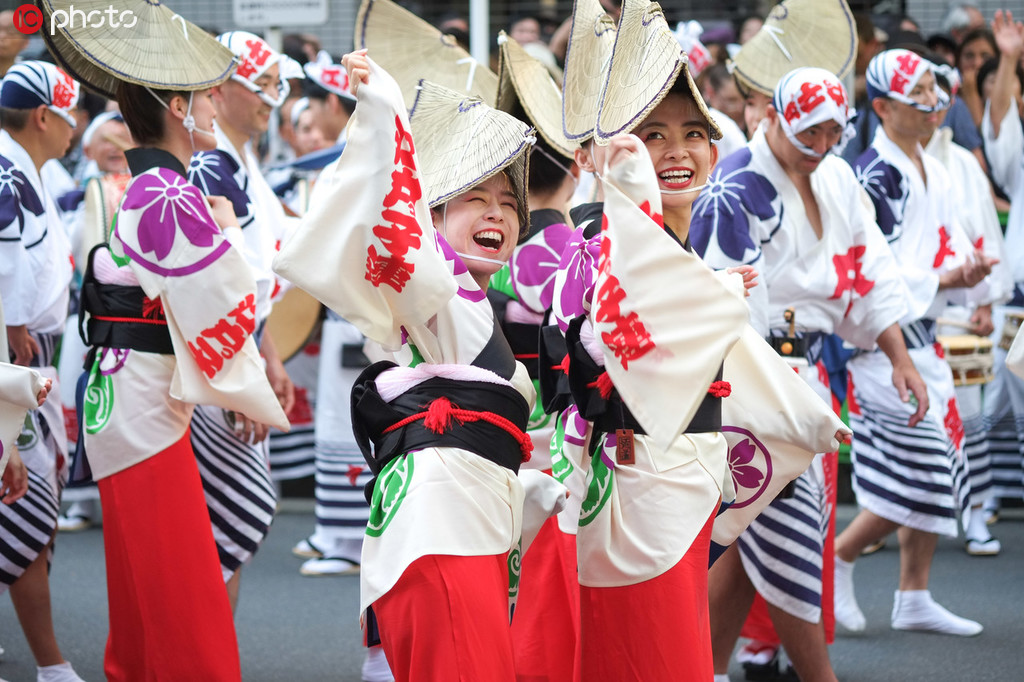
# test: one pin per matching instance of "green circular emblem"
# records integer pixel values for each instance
(599, 489)
(28, 436)
(388, 493)
(561, 466)
(99, 400)
(515, 560)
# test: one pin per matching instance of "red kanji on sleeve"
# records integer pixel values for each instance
(944, 248)
(656, 217)
(381, 270)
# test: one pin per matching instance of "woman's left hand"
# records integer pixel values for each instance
(749, 277)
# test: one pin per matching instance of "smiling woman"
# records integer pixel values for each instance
(433, 207)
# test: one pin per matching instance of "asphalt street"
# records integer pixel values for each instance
(292, 627)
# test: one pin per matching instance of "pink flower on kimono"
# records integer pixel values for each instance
(170, 205)
(744, 474)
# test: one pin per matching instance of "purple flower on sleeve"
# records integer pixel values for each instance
(170, 205)
(576, 277)
(744, 473)
(16, 196)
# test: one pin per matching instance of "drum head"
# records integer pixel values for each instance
(293, 320)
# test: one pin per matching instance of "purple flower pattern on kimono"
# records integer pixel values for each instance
(534, 266)
(577, 275)
(888, 191)
(734, 198)
(169, 206)
(16, 194)
(216, 174)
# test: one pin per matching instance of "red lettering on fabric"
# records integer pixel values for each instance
(810, 97)
(222, 340)
(848, 266)
(335, 77)
(908, 63)
(944, 248)
(63, 90)
(629, 338)
(400, 231)
(381, 269)
(246, 69)
(836, 92)
(656, 217)
(980, 243)
(954, 425)
(898, 84)
(791, 113)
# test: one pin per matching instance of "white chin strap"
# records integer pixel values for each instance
(684, 191)
(464, 256)
(282, 93)
(189, 122)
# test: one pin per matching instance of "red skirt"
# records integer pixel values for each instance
(546, 624)
(447, 619)
(169, 613)
(655, 631)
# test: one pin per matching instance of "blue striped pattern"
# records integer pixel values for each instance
(782, 549)
(912, 476)
(236, 481)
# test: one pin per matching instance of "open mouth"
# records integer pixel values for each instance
(676, 177)
(489, 240)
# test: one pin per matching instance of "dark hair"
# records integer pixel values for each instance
(14, 119)
(545, 176)
(865, 27)
(980, 33)
(989, 67)
(715, 75)
(312, 90)
(143, 116)
(942, 41)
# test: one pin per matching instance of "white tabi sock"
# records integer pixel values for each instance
(977, 529)
(62, 672)
(916, 610)
(847, 613)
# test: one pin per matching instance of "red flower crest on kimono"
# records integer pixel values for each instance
(954, 425)
(848, 267)
(944, 247)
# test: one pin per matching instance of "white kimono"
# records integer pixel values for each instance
(915, 477)
(844, 282)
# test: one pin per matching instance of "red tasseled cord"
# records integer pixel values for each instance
(564, 365)
(440, 415)
(603, 384)
(720, 389)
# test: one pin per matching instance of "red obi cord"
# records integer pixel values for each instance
(441, 412)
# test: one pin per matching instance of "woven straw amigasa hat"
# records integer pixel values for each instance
(645, 65)
(410, 49)
(527, 91)
(461, 141)
(150, 46)
(586, 65)
(797, 33)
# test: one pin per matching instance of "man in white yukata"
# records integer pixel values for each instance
(913, 479)
(37, 101)
(794, 211)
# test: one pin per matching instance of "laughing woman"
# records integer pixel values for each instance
(442, 426)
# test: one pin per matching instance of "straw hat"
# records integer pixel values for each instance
(586, 64)
(525, 85)
(160, 49)
(461, 141)
(797, 33)
(645, 64)
(410, 49)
